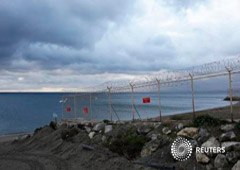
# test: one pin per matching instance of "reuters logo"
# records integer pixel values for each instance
(181, 149)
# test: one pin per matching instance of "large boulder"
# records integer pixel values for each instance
(108, 128)
(153, 135)
(211, 142)
(189, 132)
(220, 161)
(88, 129)
(99, 127)
(233, 156)
(202, 158)
(229, 146)
(230, 135)
(91, 135)
(236, 166)
(144, 128)
(194, 143)
(180, 126)
(166, 131)
(227, 127)
(203, 135)
(157, 125)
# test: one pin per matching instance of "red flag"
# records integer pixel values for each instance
(146, 100)
(85, 110)
(69, 109)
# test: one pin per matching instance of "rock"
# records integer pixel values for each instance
(99, 127)
(104, 138)
(231, 146)
(203, 135)
(144, 129)
(157, 125)
(153, 145)
(227, 127)
(236, 166)
(152, 136)
(220, 161)
(91, 134)
(108, 128)
(211, 142)
(123, 130)
(202, 158)
(149, 148)
(179, 126)
(189, 132)
(227, 136)
(209, 166)
(233, 156)
(88, 129)
(166, 131)
(194, 143)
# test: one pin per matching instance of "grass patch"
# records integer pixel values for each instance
(129, 146)
(207, 120)
(126, 142)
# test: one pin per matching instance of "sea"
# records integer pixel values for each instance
(24, 112)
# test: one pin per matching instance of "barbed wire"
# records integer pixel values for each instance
(170, 77)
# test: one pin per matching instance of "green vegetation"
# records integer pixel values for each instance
(53, 125)
(126, 142)
(81, 126)
(207, 120)
(129, 146)
(106, 121)
(238, 125)
(67, 134)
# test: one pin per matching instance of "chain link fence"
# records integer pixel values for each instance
(185, 91)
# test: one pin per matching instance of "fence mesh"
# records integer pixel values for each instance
(169, 93)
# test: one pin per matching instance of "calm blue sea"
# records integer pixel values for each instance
(22, 112)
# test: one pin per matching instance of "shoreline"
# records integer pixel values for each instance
(113, 146)
(222, 112)
(13, 136)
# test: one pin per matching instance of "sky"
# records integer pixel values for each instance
(59, 45)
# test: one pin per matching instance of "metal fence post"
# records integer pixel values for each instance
(230, 91)
(192, 89)
(75, 106)
(109, 101)
(62, 107)
(159, 100)
(133, 109)
(90, 98)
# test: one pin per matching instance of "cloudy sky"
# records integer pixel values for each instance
(59, 45)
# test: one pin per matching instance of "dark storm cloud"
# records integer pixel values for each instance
(41, 31)
(66, 44)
